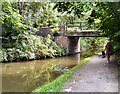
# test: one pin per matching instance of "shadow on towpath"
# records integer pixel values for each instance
(95, 76)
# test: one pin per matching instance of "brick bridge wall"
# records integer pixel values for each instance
(71, 43)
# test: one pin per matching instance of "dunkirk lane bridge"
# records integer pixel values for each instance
(73, 32)
(81, 29)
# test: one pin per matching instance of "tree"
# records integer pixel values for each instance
(106, 15)
(109, 16)
(12, 25)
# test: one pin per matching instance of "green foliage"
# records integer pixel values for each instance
(11, 19)
(55, 31)
(39, 14)
(109, 16)
(70, 7)
(116, 46)
(33, 47)
(12, 25)
(90, 46)
(18, 26)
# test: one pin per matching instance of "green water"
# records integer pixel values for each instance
(26, 76)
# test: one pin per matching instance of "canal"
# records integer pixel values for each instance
(28, 75)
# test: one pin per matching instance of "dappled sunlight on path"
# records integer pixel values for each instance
(96, 76)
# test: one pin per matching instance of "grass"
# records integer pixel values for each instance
(59, 82)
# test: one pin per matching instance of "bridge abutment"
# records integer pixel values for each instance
(74, 45)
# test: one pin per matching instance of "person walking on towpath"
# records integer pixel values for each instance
(108, 49)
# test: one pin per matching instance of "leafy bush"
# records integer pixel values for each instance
(116, 46)
(90, 46)
(33, 47)
(18, 41)
(11, 25)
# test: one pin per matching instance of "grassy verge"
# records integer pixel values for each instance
(58, 83)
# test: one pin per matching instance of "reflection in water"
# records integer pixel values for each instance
(77, 56)
(26, 76)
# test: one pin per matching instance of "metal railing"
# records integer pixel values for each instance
(81, 25)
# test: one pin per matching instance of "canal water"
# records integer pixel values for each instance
(26, 76)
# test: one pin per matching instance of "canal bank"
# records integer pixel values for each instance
(96, 76)
(58, 83)
(27, 76)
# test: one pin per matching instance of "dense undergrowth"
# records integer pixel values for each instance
(33, 47)
(90, 46)
(18, 39)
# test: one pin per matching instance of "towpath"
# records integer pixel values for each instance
(95, 76)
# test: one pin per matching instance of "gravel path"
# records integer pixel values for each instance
(95, 76)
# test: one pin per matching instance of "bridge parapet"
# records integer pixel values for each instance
(84, 33)
(81, 25)
(81, 29)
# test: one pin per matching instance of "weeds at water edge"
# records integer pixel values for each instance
(58, 83)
